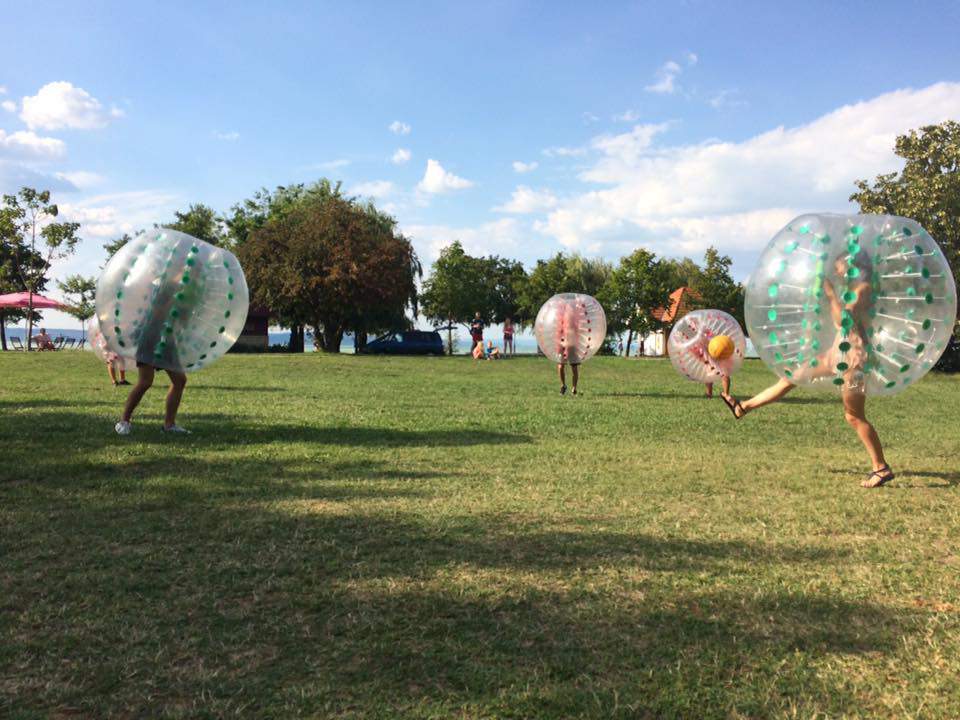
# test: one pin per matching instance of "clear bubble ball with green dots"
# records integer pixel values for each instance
(172, 301)
(863, 303)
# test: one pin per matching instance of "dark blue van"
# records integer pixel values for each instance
(407, 342)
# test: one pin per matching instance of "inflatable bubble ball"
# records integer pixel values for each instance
(570, 328)
(172, 301)
(706, 345)
(863, 303)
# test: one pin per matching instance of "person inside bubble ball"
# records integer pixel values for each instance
(115, 369)
(145, 375)
(854, 315)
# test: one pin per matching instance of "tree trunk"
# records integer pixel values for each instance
(629, 341)
(3, 331)
(359, 340)
(643, 347)
(450, 338)
(332, 335)
(296, 339)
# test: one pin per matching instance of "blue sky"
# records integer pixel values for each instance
(595, 128)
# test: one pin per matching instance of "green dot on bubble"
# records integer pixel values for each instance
(928, 298)
(788, 373)
(856, 230)
(800, 357)
(778, 356)
(907, 231)
(904, 368)
(229, 296)
(853, 272)
(844, 346)
(911, 291)
(853, 247)
(116, 313)
(919, 348)
(804, 229)
(815, 345)
(203, 357)
(771, 314)
(179, 296)
(918, 250)
(772, 338)
(791, 246)
(186, 279)
(191, 262)
(814, 363)
(226, 264)
(926, 324)
(230, 280)
(890, 384)
(174, 313)
(121, 343)
(222, 328)
(194, 249)
(841, 366)
(925, 272)
(116, 329)
(226, 314)
(838, 381)
(213, 344)
(849, 296)
(773, 290)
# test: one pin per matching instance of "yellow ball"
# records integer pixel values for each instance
(720, 347)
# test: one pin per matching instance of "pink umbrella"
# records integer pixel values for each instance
(22, 300)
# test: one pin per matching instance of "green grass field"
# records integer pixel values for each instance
(377, 538)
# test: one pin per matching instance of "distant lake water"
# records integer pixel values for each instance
(526, 343)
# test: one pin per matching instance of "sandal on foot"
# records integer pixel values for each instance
(878, 478)
(734, 405)
(563, 389)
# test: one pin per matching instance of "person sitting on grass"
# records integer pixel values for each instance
(478, 351)
(492, 352)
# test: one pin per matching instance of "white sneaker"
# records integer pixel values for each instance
(123, 427)
(177, 430)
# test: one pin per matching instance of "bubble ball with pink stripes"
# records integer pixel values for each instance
(570, 328)
(856, 303)
(689, 345)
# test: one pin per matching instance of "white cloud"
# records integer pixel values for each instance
(524, 167)
(231, 136)
(26, 144)
(666, 83)
(81, 179)
(589, 118)
(692, 59)
(627, 116)
(329, 165)
(399, 128)
(110, 216)
(373, 189)
(726, 99)
(61, 105)
(401, 156)
(527, 200)
(9, 105)
(500, 237)
(3, 89)
(738, 194)
(437, 180)
(552, 152)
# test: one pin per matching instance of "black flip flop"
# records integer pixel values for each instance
(733, 404)
(883, 478)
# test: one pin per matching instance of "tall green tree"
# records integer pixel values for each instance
(331, 263)
(639, 284)
(113, 246)
(461, 285)
(562, 274)
(926, 190)
(712, 284)
(11, 280)
(28, 225)
(80, 293)
(273, 205)
(200, 221)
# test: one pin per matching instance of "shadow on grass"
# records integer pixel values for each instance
(950, 478)
(301, 609)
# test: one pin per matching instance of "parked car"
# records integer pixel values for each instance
(408, 342)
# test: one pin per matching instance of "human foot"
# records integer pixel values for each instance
(878, 478)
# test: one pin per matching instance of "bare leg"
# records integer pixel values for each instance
(576, 376)
(178, 381)
(123, 375)
(112, 373)
(561, 370)
(709, 389)
(144, 381)
(854, 410)
(770, 395)
(724, 383)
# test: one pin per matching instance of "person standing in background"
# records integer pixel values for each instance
(508, 348)
(476, 330)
